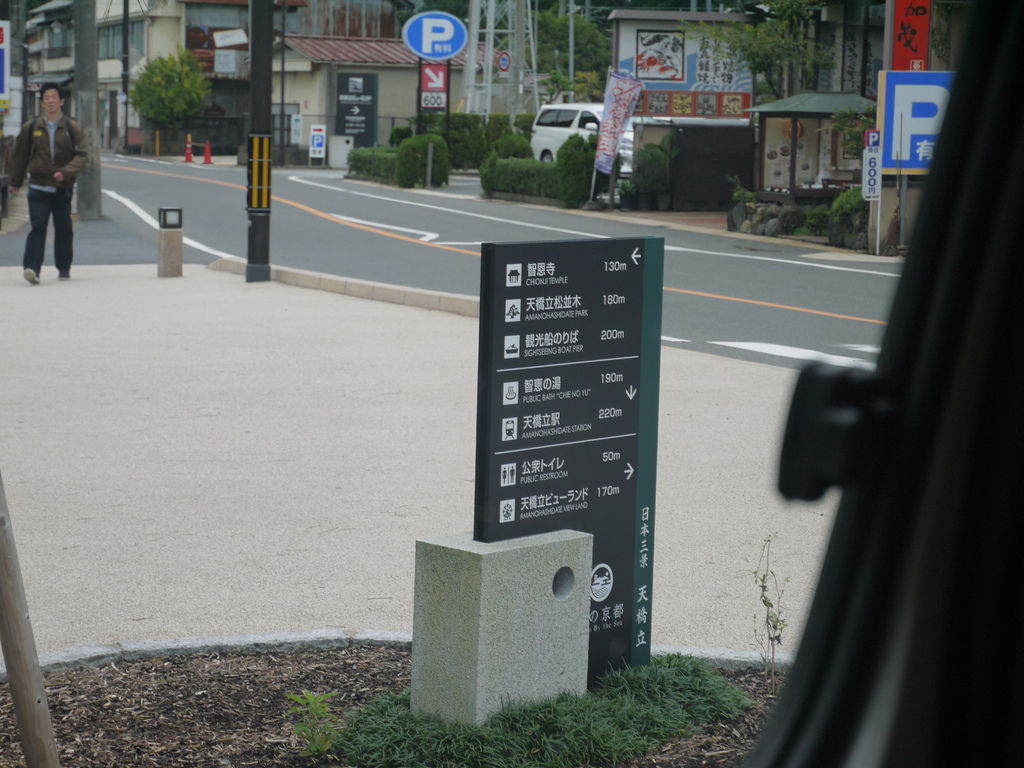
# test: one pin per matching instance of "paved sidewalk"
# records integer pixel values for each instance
(199, 456)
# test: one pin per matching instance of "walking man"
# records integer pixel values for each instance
(51, 150)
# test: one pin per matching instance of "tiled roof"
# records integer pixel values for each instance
(345, 50)
(816, 103)
(240, 2)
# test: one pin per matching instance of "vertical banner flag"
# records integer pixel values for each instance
(620, 97)
(911, 27)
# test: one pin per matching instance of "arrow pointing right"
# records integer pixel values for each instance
(629, 471)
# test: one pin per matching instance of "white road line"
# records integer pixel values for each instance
(871, 349)
(426, 236)
(506, 220)
(674, 340)
(142, 214)
(502, 219)
(797, 353)
(794, 262)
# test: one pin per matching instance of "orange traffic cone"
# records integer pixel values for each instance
(207, 156)
(188, 148)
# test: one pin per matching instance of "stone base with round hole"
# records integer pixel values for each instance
(499, 623)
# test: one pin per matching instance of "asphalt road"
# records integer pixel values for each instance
(753, 298)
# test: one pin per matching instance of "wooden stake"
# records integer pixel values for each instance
(19, 650)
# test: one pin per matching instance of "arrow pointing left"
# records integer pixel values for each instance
(636, 256)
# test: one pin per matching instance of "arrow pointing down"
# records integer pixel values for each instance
(629, 471)
(631, 392)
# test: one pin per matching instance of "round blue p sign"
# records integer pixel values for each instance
(435, 35)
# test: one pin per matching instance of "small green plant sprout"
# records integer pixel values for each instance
(317, 726)
(741, 194)
(770, 625)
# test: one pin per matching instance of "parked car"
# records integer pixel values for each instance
(557, 122)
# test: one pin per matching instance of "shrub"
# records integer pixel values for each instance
(817, 220)
(488, 174)
(848, 220)
(651, 168)
(498, 124)
(411, 163)
(468, 145)
(847, 205)
(791, 218)
(523, 123)
(513, 145)
(376, 163)
(521, 176)
(575, 164)
(399, 134)
(741, 194)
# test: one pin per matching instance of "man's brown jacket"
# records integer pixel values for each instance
(32, 153)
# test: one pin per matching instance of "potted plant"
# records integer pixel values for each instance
(627, 195)
(651, 175)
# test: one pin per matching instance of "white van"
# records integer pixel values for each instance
(557, 122)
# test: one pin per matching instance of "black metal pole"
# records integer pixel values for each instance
(261, 33)
(124, 72)
(282, 118)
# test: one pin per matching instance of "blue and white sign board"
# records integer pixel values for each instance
(911, 106)
(871, 166)
(5, 66)
(435, 35)
(318, 141)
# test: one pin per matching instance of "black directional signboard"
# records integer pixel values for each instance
(567, 415)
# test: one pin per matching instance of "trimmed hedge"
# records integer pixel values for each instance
(520, 176)
(411, 166)
(524, 124)
(575, 167)
(468, 144)
(377, 163)
(513, 145)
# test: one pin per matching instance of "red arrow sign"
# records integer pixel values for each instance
(433, 76)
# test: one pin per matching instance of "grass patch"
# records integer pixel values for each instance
(629, 712)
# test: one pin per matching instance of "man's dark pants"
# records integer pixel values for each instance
(42, 205)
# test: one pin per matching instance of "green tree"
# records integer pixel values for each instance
(593, 50)
(780, 49)
(170, 89)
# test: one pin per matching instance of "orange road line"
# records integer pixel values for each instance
(407, 239)
(301, 207)
(776, 306)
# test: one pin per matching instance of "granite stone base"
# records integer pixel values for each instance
(500, 623)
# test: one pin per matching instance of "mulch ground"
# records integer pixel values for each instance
(229, 710)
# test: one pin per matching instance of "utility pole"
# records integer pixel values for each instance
(89, 198)
(124, 73)
(261, 34)
(282, 117)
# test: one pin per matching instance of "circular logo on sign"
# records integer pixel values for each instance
(435, 35)
(601, 580)
(504, 61)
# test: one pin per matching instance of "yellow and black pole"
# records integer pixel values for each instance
(257, 202)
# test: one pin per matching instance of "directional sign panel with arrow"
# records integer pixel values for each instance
(567, 414)
(433, 85)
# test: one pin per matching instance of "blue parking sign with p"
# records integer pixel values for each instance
(435, 35)
(912, 106)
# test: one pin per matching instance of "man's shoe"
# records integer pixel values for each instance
(31, 276)
(65, 275)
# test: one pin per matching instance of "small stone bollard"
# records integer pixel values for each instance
(499, 623)
(170, 253)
